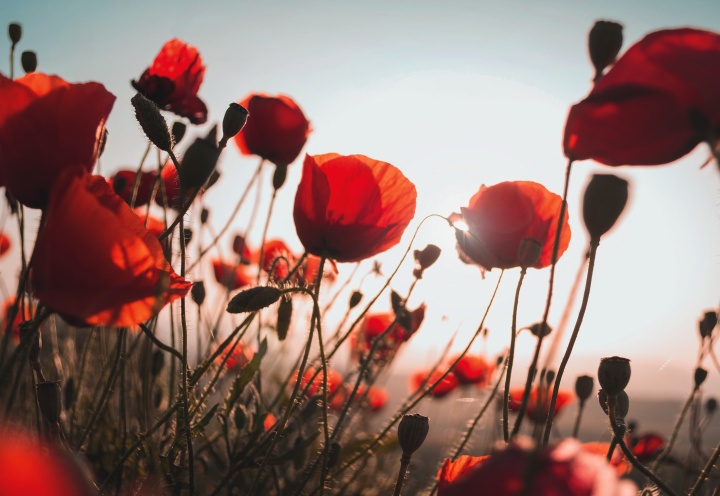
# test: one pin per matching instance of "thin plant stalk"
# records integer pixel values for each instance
(510, 357)
(676, 430)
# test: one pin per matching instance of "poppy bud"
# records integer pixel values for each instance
(355, 298)
(15, 32)
(240, 417)
(549, 376)
(333, 454)
(284, 318)
(412, 431)
(707, 324)
(604, 200)
(604, 43)
(427, 256)
(584, 385)
(158, 362)
(700, 376)
(69, 393)
(28, 60)
(711, 405)
(233, 121)
(279, 176)
(178, 131)
(188, 234)
(204, 215)
(253, 299)
(151, 122)
(529, 252)
(540, 329)
(198, 164)
(49, 396)
(198, 292)
(614, 374)
(622, 403)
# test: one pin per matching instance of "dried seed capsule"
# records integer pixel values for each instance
(28, 60)
(412, 431)
(614, 374)
(605, 198)
(584, 385)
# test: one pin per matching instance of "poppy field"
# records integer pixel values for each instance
(145, 349)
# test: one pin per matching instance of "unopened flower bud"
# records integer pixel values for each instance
(284, 318)
(279, 176)
(14, 32)
(622, 403)
(605, 198)
(188, 234)
(198, 292)
(333, 454)
(197, 164)
(614, 374)
(204, 215)
(540, 329)
(178, 131)
(604, 43)
(529, 252)
(151, 122)
(707, 324)
(427, 256)
(549, 376)
(412, 431)
(253, 299)
(711, 405)
(158, 362)
(233, 121)
(355, 298)
(700, 376)
(584, 385)
(28, 60)
(49, 396)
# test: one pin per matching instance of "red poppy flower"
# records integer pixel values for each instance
(233, 276)
(20, 316)
(444, 387)
(4, 244)
(376, 397)
(307, 274)
(236, 360)
(94, 262)
(276, 129)
(277, 254)
(500, 217)
(350, 208)
(648, 446)
(173, 81)
(123, 182)
(154, 226)
(537, 408)
(48, 125)
(473, 369)
(519, 468)
(654, 105)
(374, 324)
(336, 388)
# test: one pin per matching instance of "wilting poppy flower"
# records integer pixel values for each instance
(537, 408)
(654, 105)
(173, 81)
(94, 262)
(4, 244)
(276, 129)
(233, 276)
(648, 446)
(500, 217)
(123, 182)
(20, 316)
(48, 125)
(444, 387)
(350, 208)
(473, 369)
(519, 468)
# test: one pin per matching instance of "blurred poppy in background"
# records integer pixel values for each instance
(123, 183)
(443, 388)
(537, 408)
(4, 244)
(233, 276)
(473, 369)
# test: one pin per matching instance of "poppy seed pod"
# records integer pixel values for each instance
(604, 43)
(233, 121)
(605, 198)
(355, 299)
(49, 396)
(614, 374)
(28, 60)
(178, 131)
(412, 431)
(198, 292)
(700, 376)
(152, 123)
(711, 405)
(14, 32)
(707, 324)
(584, 385)
(198, 164)
(622, 403)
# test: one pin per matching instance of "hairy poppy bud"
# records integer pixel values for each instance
(151, 122)
(707, 324)
(253, 299)
(622, 403)
(284, 318)
(15, 32)
(412, 431)
(427, 256)
(355, 298)
(279, 176)
(28, 60)
(198, 292)
(711, 405)
(198, 164)
(529, 252)
(233, 121)
(49, 396)
(614, 374)
(540, 329)
(605, 198)
(700, 376)
(178, 131)
(204, 215)
(604, 43)
(584, 385)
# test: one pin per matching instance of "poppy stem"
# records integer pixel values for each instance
(676, 429)
(510, 357)
(159, 343)
(576, 427)
(138, 174)
(566, 357)
(706, 472)
(404, 464)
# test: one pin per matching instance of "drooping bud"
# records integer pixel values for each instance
(540, 329)
(614, 374)
(233, 121)
(28, 60)
(355, 299)
(279, 176)
(427, 256)
(605, 198)
(412, 431)
(198, 164)
(14, 32)
(711, 405)
(604, 44)
(707, 324)
(178, 131)
(584, 386)
(253, 299)
(700, 376)
(49, 396)
(529, 252)
(151, 122)
(198, 292)
(622, 403)
(204, 215)
(284, 318)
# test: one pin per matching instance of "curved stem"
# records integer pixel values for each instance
(706, 470)
(511, 356)
(676, 429)
(152, 337)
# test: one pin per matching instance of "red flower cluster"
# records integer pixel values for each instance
(537, 408)
(500, 217)
(654, 105)
(350, 208)
(47, 126)
(276, 130)
(173, 81)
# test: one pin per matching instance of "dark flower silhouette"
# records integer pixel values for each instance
(654, 105)
(350, 208)
(276, 129)
(173, 81)
(48, 125)
(94, 262)
(500, 217)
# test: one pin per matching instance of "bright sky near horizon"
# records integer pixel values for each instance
(455, 94)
